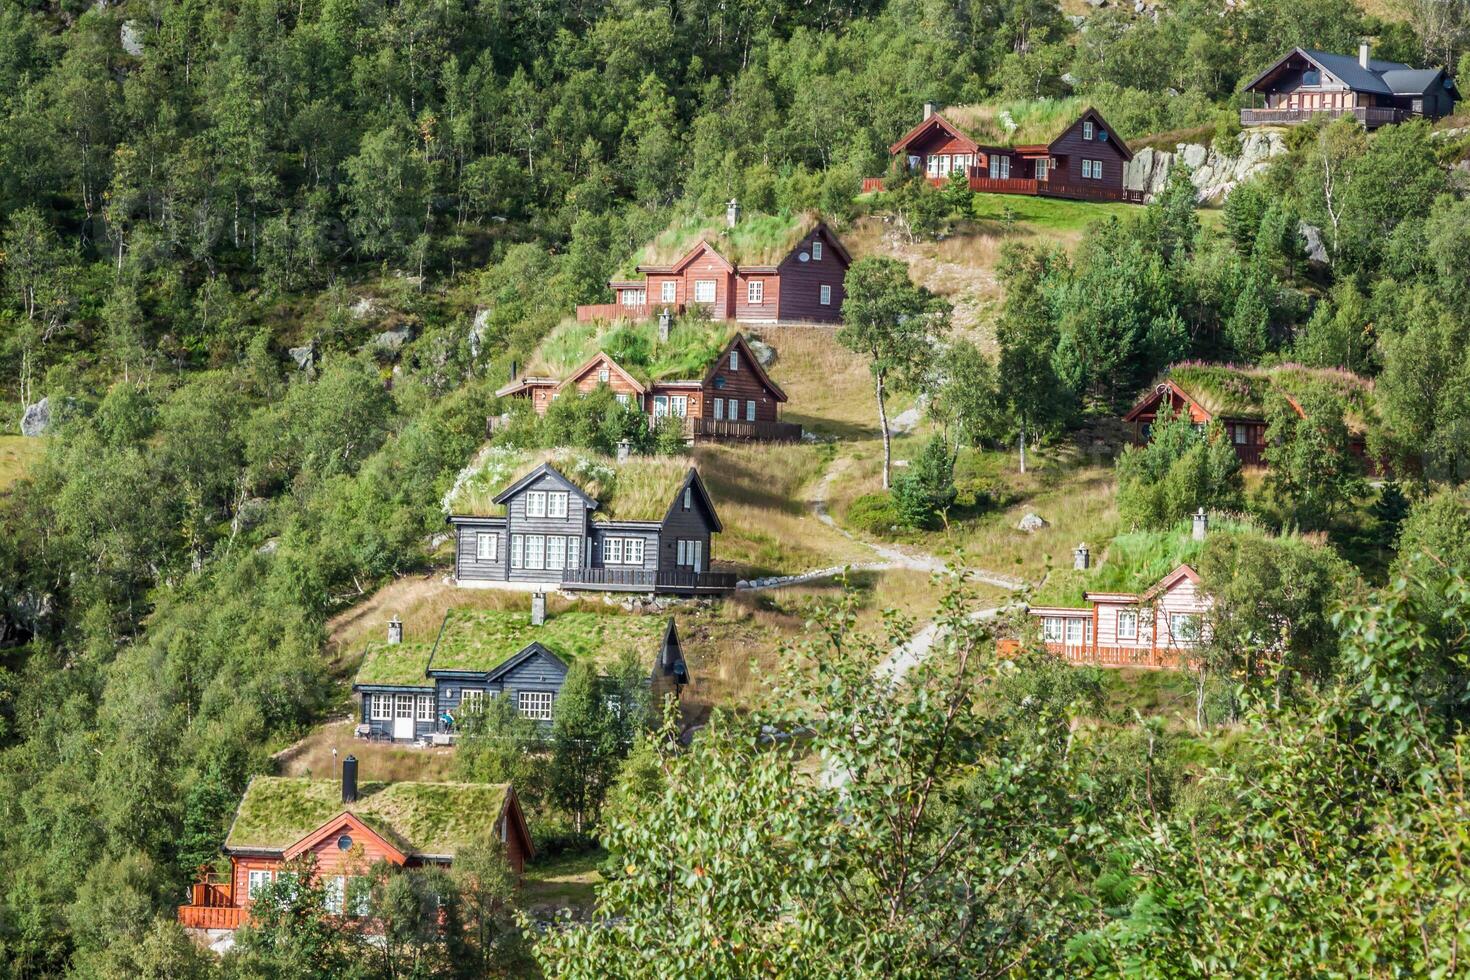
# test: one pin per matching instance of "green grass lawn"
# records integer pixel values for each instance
(1046, 213)
(17, 455)
(567, 881)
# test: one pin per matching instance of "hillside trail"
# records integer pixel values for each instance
(890, 555)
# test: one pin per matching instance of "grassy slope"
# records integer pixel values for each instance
(17, 455)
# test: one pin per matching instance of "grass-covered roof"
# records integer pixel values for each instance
(482, 640)
(692, 347)
(418, 818)
(1228, 391)
(642, 488)
(1133, 563)
(1015, 123)
(756, 240)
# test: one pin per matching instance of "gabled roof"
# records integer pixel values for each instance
(345, 822)
(535, 475)
(1167, 386)
(940, 122)
(525, 383)
(1379, 78)
(693, 480)
(602, 357)
(1168, 582)
(1102, 125)
(739, 341)
(936, 121)
(417, 819)
(700, 248)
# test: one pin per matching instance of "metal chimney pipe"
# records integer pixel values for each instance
(349, 779)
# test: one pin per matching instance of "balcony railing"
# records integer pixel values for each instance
(211, 916)
(1101, 656)
(700, 428)
(1369, 116)
(981, 183)
(622, 311)
(647, 580)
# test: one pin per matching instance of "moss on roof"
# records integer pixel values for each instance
(1015, 123)
(642, 488)
(1133, 563)
(1229, 391)
(484, 639)
(418, 818)
(756, 240)
(692, 347)
(395, 665)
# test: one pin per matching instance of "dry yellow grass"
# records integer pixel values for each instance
(828, 387)
(377, 761)
(17, 455)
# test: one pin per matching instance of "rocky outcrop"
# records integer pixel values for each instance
(390, 342)
(1315, 246)
(1032, 522)
(36, 419)
(305, 357)
(1214, 174)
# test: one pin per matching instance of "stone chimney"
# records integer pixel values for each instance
(395, 630)
(1201, 524)
(929, 109)
(625, 449)
(538, 608)
(1081, 558)
(664, 319)
(732, 213)
(1363, 54)
(349, 779)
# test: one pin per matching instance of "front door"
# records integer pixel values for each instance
(403, 717)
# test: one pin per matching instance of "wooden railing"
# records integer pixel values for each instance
(1369, 116)
(871, 184)
(700, 428)
(211, 916)
(1101, 656)
(647, 580)
(1031, 188)
(1090, 192)
(620, 311)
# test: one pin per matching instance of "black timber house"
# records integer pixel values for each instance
(423, 689)
(654, 534)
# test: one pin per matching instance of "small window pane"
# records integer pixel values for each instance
(825, 296)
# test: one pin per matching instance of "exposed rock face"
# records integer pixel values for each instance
(305, 357)
(36, 419)
(764, 352)
(364, 308)
(1316, 247)
(1214, 175)
(1032, 522)
(477, 332)
(392, 341)
(131, 38)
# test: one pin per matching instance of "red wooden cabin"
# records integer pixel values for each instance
(403, 824)
(1085, 161)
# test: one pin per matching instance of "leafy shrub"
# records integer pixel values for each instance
(923, 495)
(873, 513)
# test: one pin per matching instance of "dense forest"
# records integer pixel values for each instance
(198, 201)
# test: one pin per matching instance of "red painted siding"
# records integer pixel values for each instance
(769, 305)
(743, 385)
(1070, 149)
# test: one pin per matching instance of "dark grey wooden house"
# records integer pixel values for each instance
(1303, 84)
(651, 533)
(419, 689)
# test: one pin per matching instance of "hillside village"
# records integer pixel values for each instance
(486, 496)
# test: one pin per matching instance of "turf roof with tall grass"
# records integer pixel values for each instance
(1133, 563)
(641, 488)
(1230, 391)
(434, 819)
(483, 640)
(756, 240)
(1015, 123)
(694, 343)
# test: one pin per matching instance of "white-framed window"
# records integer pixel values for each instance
(256, 881)
(612, 551)
(333, 892)
(633, 551)
(425, 708)
(536, 503)
(1127, 624)
(1074, 631)
(678, 405)
(704, 290)
(688, 497)
(1000, 167)
(755, 293)
(556, 504)
(1184, 627)
(603, 375)
(1087, 129)
(359, 896)
(622, 397)
(660, 406)
(472, 700)
(380, 707)
(817, 245)
(574, 552)
(750, 411)
(681, 549)
(517, 551)
(944, 164)
(667, 291)
(734, 360)
(536, 551)
(690, 553)
(634, 297)
(719, 408)
(1041, 168)
(403, 706)
(535, 704)
(1051, 629)
(824, 295)
(1092, 169)
(556, 552)
(487, 546)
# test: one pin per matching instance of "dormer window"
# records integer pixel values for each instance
(1087, 129)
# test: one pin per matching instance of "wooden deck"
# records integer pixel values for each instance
(620, 311)
(1101, 656)
(1369, 116)
(645, 580)
(1032, 188)
(701, 429)
(211, 917)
